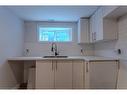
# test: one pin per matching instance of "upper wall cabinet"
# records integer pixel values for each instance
(83, 30)
(114, 12)
(102, 29)
(108, 10)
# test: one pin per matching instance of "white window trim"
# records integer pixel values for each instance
(40, 25)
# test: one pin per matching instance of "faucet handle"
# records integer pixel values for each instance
(57, 53)
(51, 49)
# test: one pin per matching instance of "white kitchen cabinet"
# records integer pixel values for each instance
(102, 74)
(44, 75)
(93, 29)
(83, 30)
(108, 9)
(102, 29)
(96, 26)
(60, 74)
(78, 74)
(54, 74)
(63, 74)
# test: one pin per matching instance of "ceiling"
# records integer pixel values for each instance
(52, 13)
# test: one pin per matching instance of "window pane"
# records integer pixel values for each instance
(55, 34)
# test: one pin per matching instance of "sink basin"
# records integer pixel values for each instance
(55, 56)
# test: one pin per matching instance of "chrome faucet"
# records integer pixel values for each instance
(54, 49)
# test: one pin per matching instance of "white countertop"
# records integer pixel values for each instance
(87, 58)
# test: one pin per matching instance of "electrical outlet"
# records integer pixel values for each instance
(118, 51)
(27, 50)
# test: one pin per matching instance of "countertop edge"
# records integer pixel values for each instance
(86, 58)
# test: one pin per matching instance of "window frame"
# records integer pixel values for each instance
(40, 25)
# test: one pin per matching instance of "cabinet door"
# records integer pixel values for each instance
(63, 74)
(92, 29)
(103, 75)
(99, 23)
(78, 77)
(44, 74)
(103, 28)
(83, 31)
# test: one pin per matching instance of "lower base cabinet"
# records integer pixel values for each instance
(76, 74)
(60, 74)
(44, 75)
(63, 75)
(103, 74)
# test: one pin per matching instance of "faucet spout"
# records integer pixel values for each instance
(54, 49)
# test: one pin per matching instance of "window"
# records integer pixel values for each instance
(55, 34)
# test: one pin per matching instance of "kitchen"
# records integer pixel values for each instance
(86, 51)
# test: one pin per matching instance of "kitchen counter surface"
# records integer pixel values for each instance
(86, 58)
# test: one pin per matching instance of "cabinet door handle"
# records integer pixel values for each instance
(94, 36)
(52, 66)
(56, 66)
(86, 66)
(118, 65)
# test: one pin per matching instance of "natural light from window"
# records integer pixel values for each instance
(55, 34)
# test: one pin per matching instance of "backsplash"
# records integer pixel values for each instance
(70, 49)
(106, 49)
(37, 48)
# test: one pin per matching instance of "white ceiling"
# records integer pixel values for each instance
(56, 13)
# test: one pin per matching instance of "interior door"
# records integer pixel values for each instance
(44, 74)
(63, 74)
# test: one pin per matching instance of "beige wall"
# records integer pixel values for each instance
(40, 49)
(108, 49)
(11, 44)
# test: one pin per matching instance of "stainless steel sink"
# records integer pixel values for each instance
(55, 56)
